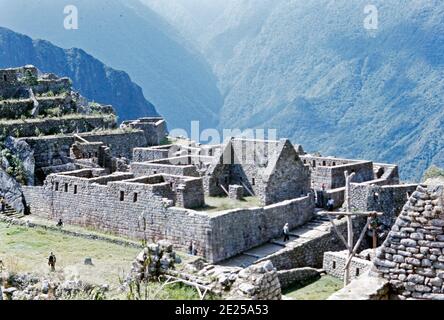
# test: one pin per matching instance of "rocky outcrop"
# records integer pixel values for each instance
(25, 154)
(11, 190)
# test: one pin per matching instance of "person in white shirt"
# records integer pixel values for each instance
(286, 232)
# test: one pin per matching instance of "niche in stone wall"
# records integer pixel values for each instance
(122, 195)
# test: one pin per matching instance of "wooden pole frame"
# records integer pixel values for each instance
(349, 242)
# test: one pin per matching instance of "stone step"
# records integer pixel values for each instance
(252, 255)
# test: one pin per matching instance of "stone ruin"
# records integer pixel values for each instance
(158, 261)
(81, 168)
(154, 261)
(258, 282)
(33, 287)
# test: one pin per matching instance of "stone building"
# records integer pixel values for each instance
(269, 170)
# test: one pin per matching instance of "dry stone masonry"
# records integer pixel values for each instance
(258, 282)
(412, 257)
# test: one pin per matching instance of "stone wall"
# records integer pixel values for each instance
(334, 265)
(258, 282)
(412, 257)
(155, 129)
(146, 169)
(272, 170)
(299, 276)
(387, 199)
(238, 230)
(97, 202)
(150, 154)
(333, 177)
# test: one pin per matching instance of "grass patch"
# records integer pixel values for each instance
(317, 290)
(215, 204)
(27, 249)
(433, 172)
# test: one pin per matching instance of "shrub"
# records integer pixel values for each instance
(433, 172)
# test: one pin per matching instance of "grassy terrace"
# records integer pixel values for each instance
(216, 204)
(26, 250)
(72, 116)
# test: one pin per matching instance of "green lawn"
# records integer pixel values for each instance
(26, 250)
(215, 204)
(317, 290)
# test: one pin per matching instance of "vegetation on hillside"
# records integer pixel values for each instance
(433, 172)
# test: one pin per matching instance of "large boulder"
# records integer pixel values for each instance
(11, 190)
(24, 152)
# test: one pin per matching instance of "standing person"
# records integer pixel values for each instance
(3, 204)
(190, 248)
(286, 232)
(330, 204)
(52, 261)
(194, 249)
(60, 223)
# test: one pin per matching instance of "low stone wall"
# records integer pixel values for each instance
(300, 276)
(146, 169)
(258, 282)
(334, 265)
(150, 154)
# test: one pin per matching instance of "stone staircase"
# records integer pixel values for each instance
(318, 225)
(10, 212)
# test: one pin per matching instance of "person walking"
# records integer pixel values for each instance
(52, 261)
(286, 232)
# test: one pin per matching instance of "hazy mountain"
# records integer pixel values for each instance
(126, 35)
(90, 77)
(311, 69)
